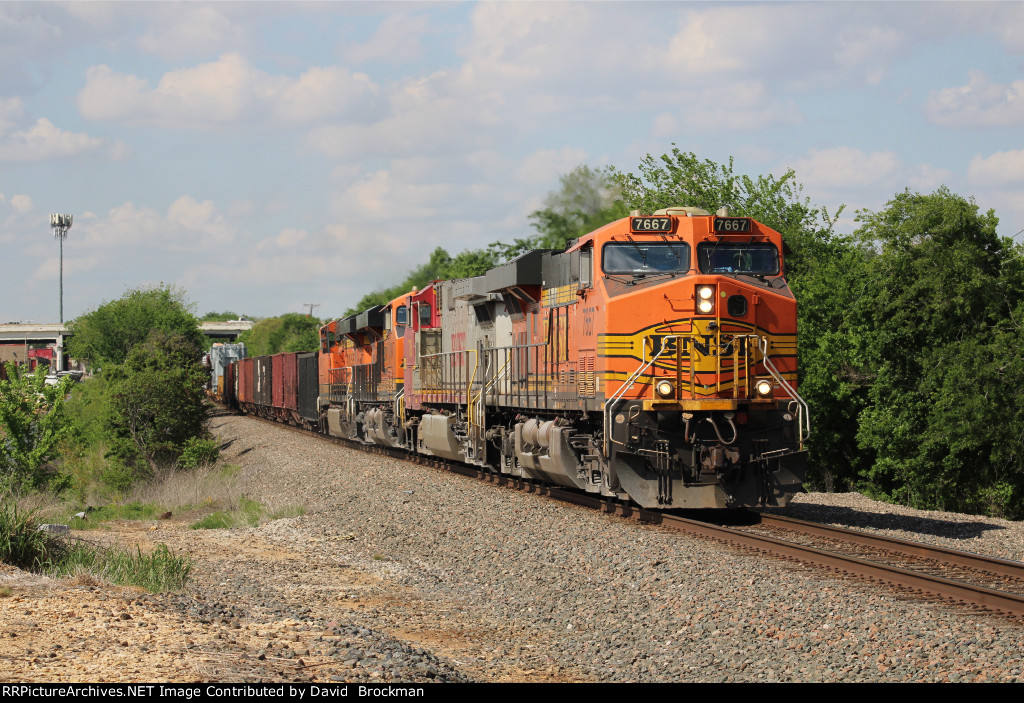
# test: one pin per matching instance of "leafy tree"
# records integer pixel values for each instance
(221, 317)
(288, 333)
(472, 262)
(107, 334)
(682, 178)
(32, 425)
(157, 401)
(942, 299)
(587, 200)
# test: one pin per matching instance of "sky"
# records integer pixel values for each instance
(265, 156)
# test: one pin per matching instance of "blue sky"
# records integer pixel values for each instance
(262, 156)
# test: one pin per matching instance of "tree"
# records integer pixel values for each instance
(469, 263)
(221, 317)
(32, 424)
(682, 178)
(107, 334)
(587, 200)
(943, 301)
(157, 401)
(288, 333)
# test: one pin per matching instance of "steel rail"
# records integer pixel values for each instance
(970, 560)
(1010, 604)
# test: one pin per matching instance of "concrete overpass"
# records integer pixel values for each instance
(16, 337)
(229, 328)
(20, 335)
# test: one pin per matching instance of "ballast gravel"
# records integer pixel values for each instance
(440, 577)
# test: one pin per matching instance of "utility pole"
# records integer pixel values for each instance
(310, 306)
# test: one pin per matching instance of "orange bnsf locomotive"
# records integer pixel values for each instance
(654, 360)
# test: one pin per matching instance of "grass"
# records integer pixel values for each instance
(213, 493)
(243, 513)
(212, 497)
(134, 510)
(160, 570)
(23, 545)
(21, 542)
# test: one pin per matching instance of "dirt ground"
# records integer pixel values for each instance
(82, 631)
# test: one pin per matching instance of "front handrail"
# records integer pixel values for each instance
(609, 405)
(803, 411)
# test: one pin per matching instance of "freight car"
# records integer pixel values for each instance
(653, 360)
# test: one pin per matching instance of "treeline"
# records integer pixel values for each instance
(911, 347)
(910, 338)
(910, 333)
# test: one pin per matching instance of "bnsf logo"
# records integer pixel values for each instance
(703, 345)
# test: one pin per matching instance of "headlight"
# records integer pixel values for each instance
(664, 389)
(763, 388)
(705, 299)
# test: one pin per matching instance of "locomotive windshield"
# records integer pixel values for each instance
(640, 258)
(720, 257)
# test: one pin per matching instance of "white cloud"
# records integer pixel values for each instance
(756, 41)
(287, 239)
(21, 203)
(665, 125)
(546, 165)
(926, 178)
(188, 225)
(387, 194)
(43, 140)
(185, 29)
(980, 103)
(227, 91)
(852, 173)
(1000, 168)
(397, 40)
(49, 269)
(738, 106)
(869, 49)
(428, 116)
(846, 167)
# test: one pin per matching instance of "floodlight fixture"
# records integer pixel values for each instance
(60, 224)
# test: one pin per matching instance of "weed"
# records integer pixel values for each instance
(244, 512)
(160, 570)
(21, 542)
(24, 545)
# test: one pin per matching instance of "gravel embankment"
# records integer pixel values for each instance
(425, 575)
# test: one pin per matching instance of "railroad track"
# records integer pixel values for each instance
(991, 584)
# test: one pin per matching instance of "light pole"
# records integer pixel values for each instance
(60, 225)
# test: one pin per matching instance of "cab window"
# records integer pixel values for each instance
(756, 259)
(645, 257)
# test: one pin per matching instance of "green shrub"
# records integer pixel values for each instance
(199, 452)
